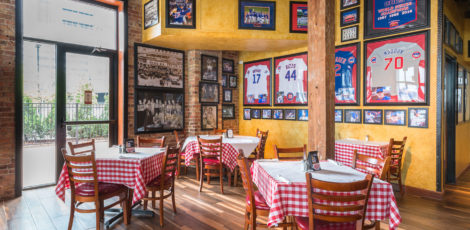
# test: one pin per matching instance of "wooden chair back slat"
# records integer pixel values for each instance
(287, 154)
(76, 149)
(372, 165)
(151, 142)
(210, 148)
(219, 131)
(395, 151)
(263, 136)
(170, 161)
(339, 198)
(348, 218)
(345, 208)
(246, 179)
(81, 169)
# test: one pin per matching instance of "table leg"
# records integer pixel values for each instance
(377, 225)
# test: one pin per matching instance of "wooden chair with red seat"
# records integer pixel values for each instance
(182, 158)
(211, 154)
(371, 165)
(219, 131)
(346, 215)
(151, 142)
(395, 151)
(164, 183)
(84, 187)
(85, 147)
(290, 154)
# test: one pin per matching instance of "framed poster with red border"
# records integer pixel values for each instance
(347, 74)
(290, 80)
(298, 17)
(396, 70)
(257, 82)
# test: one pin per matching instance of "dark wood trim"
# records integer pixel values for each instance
(126, 74)
(18, 97)
(424, 193)
(439, 99)
(450, 84)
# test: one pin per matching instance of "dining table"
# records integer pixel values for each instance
(344, 150)
(283, 185)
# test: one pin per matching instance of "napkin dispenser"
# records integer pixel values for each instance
(312, 163)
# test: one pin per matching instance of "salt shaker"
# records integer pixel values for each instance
(367, 137)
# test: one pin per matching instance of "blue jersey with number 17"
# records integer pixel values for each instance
(344, 64)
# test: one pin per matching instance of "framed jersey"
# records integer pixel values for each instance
(290, 80)
(257, 82)
(396, 70)
(347, 74)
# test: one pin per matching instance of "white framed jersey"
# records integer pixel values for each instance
(290, 85)
(256, 81)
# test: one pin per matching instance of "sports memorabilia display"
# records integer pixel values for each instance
(257, 82)
(396, 70)
(352, 116)
(387, 17)
(290, 81)
(278, 114)
(418, 117)
(227, 95)
(225, 80)
(257, 15)
(151, 16)
(373, 116)
(460, 94)
(181, 14)
(228, 111)
(395, 117)
(289, 114)
(298, 17)
(208, 117)
(338, 116)
(349, 17)
(349, 34)
(349, 3)
(467, 96)
(246, 114)
(233, 81)
(302, 115)
(347, 75)
(227, 66)
(209, 68)
(208, 92)
(266, 114)
(255, 114)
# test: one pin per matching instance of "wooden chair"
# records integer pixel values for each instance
(395, 151)
(85, 188)
(82, 148)
(219, 131)
(210, 159)
(289, 154)
(182, 157)
(347, 215)
(164, 183)
(371, 165)
(151, 142)
(259, 151)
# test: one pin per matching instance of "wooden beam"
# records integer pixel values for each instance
(321, 85)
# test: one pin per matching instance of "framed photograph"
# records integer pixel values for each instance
(181, 14)
(228, 111)
(158, 111)
(373, 116)
(208, 92)
(209, 117)
(289, 114)
(255, 114)
(267, 114)
(151, 16)
(418, 117)
(278, 114)
(452, 35)
(400, 77)
(349, 33)
(228, 66)
(302, 115)
(209, 68)
(225, 79)
(227, 95)
(350, 17)
(467, 96)
(298, 17)
(349, 3)
(446, 30)
(256, 15)
(352, 116)
(233, 81)
(158, 67)
(257, 83)
(395, 117)
(246, 114)
(347, 74)
(290, 81)
(391, 17)
(338, 116)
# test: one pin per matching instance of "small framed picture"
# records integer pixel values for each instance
(246, 114)
(208, 92)
(289, 114)
(349, 3)
(181, 14)
(227, 95)
(209, 69)
(228, 111)
(395, 117)
(209, 117)
(267, 114)
(225, 79)
(233, 82)
(227, 66)
(338, 116)
(349, 33)
(418, 117)
(278, 114)
(349, 17)
(151, 16)
(256, 114)
(298, 17)
(302, 115)
(373, 116)
(257, 15)
(352, 116)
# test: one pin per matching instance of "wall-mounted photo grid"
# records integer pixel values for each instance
(275, 114)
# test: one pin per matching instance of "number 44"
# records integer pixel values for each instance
(289, 75)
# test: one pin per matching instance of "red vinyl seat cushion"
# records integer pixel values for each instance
(88, 189)
(211, 161)
(156, 182)
(260, 202)
(302, 223)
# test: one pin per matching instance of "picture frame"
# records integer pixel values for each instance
(227, 95)
(338, 116)
(228, 111)
(246, 114)
(225, 80)
(350, 17)
(209, 68)
(151, 13)
(290, 80)
(372, 116)
(152, 76)
(395, 117)
(349, 3)
(298, 17)
(255, 114)
(209, 117)
(381, 85)
(228, 66)
(151, 107)
(181, 17)
(349, 33)
(257, 82)
(347, 74)
(278, 114)
(418, 117)
(266, 114)
(256, 15)
(302, 114)
(380, 22)
(353, 116)
(233, 81)
(290, 114)
(208, 92)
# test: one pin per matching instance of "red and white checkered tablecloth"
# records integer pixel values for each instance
(229, 154)
(133, 173)
(344, 150)
(286, 199)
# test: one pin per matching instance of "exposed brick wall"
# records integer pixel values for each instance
(233, 123)
(7, 102)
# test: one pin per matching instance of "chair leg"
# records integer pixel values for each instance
(221, 176)
(72, 213)
(178, 169)
(229, 175)
(197, 169)
(399, 184)
(154, 201)
(161, 208)
(235, 177)
(201, 178)
(98, 215)
(247, 220)
(146, 201)
(173, 198)
(125, 209)
(253, 221)
(377, 225)
(208, 177)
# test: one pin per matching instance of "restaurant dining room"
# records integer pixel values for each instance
(234, 114)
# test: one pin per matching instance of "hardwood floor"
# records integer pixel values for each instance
(41, 209)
